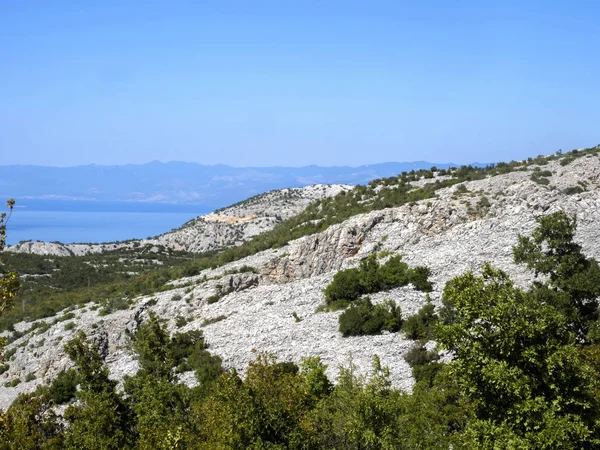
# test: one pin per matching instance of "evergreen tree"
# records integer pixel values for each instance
(103, 419)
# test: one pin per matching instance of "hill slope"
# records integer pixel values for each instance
(223, 228)
(267, 301)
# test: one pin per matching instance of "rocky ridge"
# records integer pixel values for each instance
(458, 230)
(226, 227)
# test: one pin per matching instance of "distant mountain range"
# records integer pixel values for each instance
(179, 182)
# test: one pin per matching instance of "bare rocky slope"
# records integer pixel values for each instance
(223, 228)
(459, 229)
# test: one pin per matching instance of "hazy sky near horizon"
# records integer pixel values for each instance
(265, 83)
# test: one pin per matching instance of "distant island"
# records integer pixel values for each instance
(180, 183)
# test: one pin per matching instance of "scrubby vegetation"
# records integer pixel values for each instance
(541, 176)
(424, 363)
(422, 324)
(364, 318)
(63, 387)
(54, 283)
(524, 375)
(112, 279)
(370, 277)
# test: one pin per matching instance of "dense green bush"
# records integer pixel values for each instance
(364, 318)
(418, 277)
(535, 177)
(571, 190)
(63, 387)
(393, 273)
(14, 382)
(370, 277)
(424, 364)
(421, 325)
(346, 286)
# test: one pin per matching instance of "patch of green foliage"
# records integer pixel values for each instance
(424, 363)
(370, 277)
(572, 190)
(13, 383)
(540, 177)
(76, 280)
(64, 387)
(213, 320)
(221, 292)
(181, 321)
(422, 324)
(364, 318)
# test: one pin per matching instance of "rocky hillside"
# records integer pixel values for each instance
(226, 227)
(267, 301)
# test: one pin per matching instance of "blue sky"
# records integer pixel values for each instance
(296, 83)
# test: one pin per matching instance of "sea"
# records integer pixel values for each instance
(74, 221)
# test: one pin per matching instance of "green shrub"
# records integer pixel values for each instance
(66, 316)
(69, 326)
(13, 383)
(421, 325)
(571, 190)
(393, 273)
(461, 189)
(346, 285)
(9, 353)
(538, 178)
(213, 299)
(30, 377)
(426, 373)
(189, 353)
(115, 304)
(4, 368)
(63, 387)
(418, 355)
(483, 202)
(181, 321)
(207, 367)
(43, 327)
(423, 363)
(364, 318)
(221, 292)
(286, 367)
(182, 346)
(370, 277)
(213, 320)
(243, 269)
(566, 161)
(419, 278)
